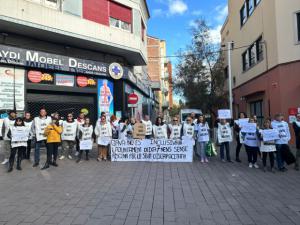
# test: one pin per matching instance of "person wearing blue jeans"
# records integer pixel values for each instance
(37, 149)
(224, 137)
(225, 145)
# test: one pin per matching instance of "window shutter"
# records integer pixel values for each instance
(120, 12)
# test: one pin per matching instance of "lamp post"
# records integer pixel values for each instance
(229, 48)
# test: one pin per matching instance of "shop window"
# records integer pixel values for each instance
(298, 25)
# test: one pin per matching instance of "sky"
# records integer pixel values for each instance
(171, 20)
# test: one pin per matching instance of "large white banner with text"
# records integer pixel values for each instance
(156, 150)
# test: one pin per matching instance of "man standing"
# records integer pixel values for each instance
(38, 130)
(68, 136)
(7, 124)
(80, 122)
(28, 124)
(148, 125)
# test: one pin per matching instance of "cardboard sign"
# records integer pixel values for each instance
(224, 114)
(139, 131)
(86, 145)
(270, 135)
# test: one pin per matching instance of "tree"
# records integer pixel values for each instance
(200, 75)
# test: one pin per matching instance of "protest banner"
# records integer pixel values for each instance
(86, 145)
(139, 131)
(243, 121)
(270, 135)
(224, 114)
(155, 150)
(249, 128)
(20, 135)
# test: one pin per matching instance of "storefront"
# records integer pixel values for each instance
(30, 80)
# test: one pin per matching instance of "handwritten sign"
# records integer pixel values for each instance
(155, 150)
(249, 128)
(224, 114)
(270, 135)
(104, 141)
(243, 121)
(20, 135)
(86, 145)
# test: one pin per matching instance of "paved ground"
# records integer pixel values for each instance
(149, 193)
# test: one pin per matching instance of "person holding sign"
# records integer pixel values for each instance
(282, 142)
(85, 137)
(202, 134)
(175, 129)
(188, 129)
(251, 142)
(52, 132)
(160, 129)
(267, 146)
(296, 126)
(237, 129)
(224, 138)
(123, 128)
(8, 122)
(38, 130)
(68, 136)
(149, 127)
(18, 134)
(103, 133)
(28, 123)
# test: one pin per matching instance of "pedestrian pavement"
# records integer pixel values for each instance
(131, 193)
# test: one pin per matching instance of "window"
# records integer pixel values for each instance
(256, 108)
(120, 13)
(250, 7)
(243, 13)
(259, 49)
(298, 25)
(245, 58)
(253, 54)
(257, 2)
(143, 30)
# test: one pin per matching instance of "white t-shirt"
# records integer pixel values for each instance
(224, 133)
(188, 130)
(149, 127)
(160, 132)
(39, 125)
(69, 131)
(202, 132)
(19, 136)
(175, 131)
(123, 129)
(7, 123)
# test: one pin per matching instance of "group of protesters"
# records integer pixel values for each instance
(76, 136)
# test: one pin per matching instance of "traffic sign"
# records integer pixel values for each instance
(133, 99)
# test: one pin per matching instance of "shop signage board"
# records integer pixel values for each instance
(12, 84)
(39, 77)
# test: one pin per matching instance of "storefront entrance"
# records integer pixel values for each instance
(63, 104)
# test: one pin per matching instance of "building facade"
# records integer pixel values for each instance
(265, 56)
(72, 56)
(160, 70)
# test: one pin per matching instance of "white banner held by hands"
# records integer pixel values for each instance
(249, 128)
(270, 135)
(224, 114)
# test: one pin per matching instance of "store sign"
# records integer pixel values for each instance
(105, 97)
(83, 81)
(116, 71)
(37, 59)
(39, 77)
(12, 87)
(64, 80)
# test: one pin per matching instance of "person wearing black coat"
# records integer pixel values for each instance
(296, 126)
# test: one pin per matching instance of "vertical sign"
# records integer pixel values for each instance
(105, 97)
(12, 84)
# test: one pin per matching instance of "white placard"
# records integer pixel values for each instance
(86, 145)
(270, 135)
(103, 141)
(292, 119)
(249, 128)
(224, 114)
(243, 121)
(20, 135)
(162, 150)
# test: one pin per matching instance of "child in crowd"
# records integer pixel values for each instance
(85, 136)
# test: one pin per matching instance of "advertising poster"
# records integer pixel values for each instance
(105, 97)
(64, 80)
(11, 83)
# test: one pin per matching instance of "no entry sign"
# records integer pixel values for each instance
(133, 99)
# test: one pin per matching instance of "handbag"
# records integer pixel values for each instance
(210, 149)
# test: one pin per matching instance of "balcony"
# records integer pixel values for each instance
(45, 23)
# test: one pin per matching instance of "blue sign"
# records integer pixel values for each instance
(105, 97)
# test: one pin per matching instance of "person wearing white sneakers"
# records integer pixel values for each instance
(202, 134)
(251, 142)
(7, 124)
(68, 136)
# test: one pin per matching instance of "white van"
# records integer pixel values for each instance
(184, 113)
